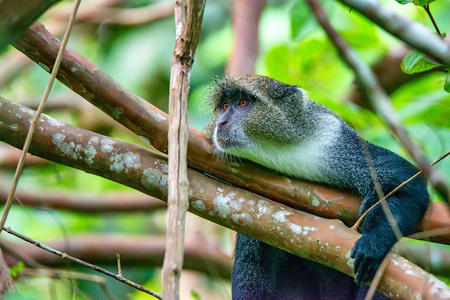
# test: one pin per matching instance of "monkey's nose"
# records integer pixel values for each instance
(223, 123)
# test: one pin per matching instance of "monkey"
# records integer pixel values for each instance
(277, 126)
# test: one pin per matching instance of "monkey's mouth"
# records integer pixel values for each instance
(226, 143)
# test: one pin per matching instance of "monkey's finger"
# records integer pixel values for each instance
(361, 270)
(370, 272)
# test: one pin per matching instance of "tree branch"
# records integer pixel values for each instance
(18, 15)
(327, 242)
(413, 33)
(86, 264)
(146, 120)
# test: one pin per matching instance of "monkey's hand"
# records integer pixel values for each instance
(369, 252)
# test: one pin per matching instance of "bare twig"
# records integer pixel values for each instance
(427, 9)
(201, 254)
(119, 266)
(377, 278)
(413, 33)
(86, 264)
(358, 222)
(377, 96)
(37, 115)
(188, 22)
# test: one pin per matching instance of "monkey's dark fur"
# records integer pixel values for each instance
(279, 127)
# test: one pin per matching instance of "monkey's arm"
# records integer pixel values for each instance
(407, 206)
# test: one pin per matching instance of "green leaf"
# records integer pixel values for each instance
(414, 62)
(195, 295)
(403, 2)
(447, 83)
(422, 2)
(300, 17)
(15, 270)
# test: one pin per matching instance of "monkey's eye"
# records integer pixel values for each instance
(243, 103)
(225, 106)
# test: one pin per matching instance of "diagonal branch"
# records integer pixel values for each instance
(413, 33)
(327, 242)
(17, 15)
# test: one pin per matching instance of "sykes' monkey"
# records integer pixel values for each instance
(276, 125)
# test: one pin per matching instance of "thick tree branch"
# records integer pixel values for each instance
(327, 242)
(18, 15)
(201, 255)
(144, 119)
(413, 33)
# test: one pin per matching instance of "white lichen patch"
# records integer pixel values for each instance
(132, 160)
(222, 205)
(296, 228)
(124, 162)
(14, 127)
(198, 205)
(350, 261)
(57, 138)
(280, 216)
(151, 178)
(243, 219)
(155, 116)
(235, 205)
(89, 153)
(179, 30)
(163, 184)
(76, 151)
(262, 208)
(332, 227)
(315, 202)
(165, 168)
(438, 288)
(106, 145)
(54, 122)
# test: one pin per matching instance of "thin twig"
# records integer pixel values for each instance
(385, 206)
(377, 278)
(358, 222)
(119, 265)
(429, 233)
(38, 114)
(427, 9)
(81, 262)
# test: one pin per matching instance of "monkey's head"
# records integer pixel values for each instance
(253, 112)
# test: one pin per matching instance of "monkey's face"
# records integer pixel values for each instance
(231, 115)
(253, 112)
